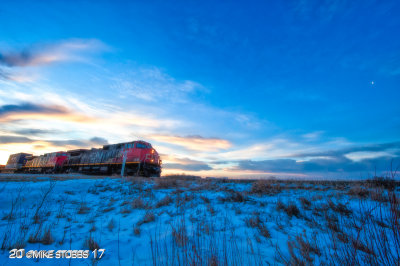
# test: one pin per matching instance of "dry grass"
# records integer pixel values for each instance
(358, 191)
(234, 196)
(166, 183)
(91, 243)
(167, 200)
(291, 208)
(339, 207)
(37, 237)
(47, 237)
(125, 210)
(108, 209)
(111, 225)
(302, 251)
(83, 208)
(147, 218)
(305, 203)
(265, 187)
(255, 221)
(136, 231)
(138, 203)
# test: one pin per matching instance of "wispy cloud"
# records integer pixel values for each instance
(31, 108)
(151, 84)
(358, 158)
(75, 143)
(32, 111)
(44, 54)
(326, 165)
(21, 65)
(14, 139)
(185, 164)
(352, 149)
(197, 143)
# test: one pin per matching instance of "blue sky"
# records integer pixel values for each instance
(249, 89)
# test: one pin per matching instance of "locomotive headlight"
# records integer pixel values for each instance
(152, 150)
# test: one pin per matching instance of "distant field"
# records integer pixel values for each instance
(179, 220)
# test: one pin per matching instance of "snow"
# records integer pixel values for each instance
(200, 219)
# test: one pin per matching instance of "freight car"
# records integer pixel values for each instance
(16, 162)
(130, 158)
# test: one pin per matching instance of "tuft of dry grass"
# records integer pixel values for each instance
(205, 199)
(387, 182)
(339, 207)
(358, 191)
(139, 203)
(91, 244)
(255, 221)
(147, 218)
(37, 237)
(302, 251)
(136, 231)
(47, 237)
(83, 208)
(234, 196)
(179, 233)
(305, 203)
(167, 200)
(125, 210)
(108, 209)
(111, 225)
(165, 183)
(291, 208)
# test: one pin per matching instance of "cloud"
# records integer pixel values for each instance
(187, 167)
(78, 143)
(313, 136)
(152, 84)
(31, 108)
(95, 141)
(335, 165)
(26, 111)
(360, 148)
(3, 75)
(68, 50)
(99, 141)
(36, 131)
(185, 164)
(196, 143)
(14, 139)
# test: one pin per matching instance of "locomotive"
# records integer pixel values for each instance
(130, 158)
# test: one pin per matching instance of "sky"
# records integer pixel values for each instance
(303, 89)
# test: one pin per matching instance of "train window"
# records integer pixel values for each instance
(141, 146)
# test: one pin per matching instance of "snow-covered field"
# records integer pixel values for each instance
(176, 221)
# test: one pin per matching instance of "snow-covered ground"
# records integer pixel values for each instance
(178, 222)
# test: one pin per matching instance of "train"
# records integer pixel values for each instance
(128, 158)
